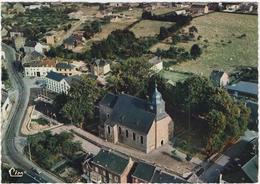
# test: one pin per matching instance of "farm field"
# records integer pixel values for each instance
(163, 10)
(224, 49)
(149, 28)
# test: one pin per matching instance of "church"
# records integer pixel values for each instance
(143, 125)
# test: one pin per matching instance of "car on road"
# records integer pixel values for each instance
(35, 170)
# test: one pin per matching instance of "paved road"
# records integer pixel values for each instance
(212, 173)
(12, 141)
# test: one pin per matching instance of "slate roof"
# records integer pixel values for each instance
(55, 76)
(254, 109)
(111, 161)
(216, 75)
(70, 40)
(29, 43)
(139, 118)
(64, 66)
(251, 168)
(162, 177)
(144, 171)
(109, 100)
(244, 87)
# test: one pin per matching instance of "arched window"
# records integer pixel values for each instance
(142, 139)
(133, 136)
(108, 129)
(126, 133)
(119, 130)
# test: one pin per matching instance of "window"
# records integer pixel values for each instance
(6, 106)
(110, 176)
(142, 139)
(133, 136)
(116, 179)
(108, 129)
(126, 133)
(119, 129)
(108, 115)
(96, 169)
(104, 172)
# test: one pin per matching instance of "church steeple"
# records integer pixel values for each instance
(158, 104)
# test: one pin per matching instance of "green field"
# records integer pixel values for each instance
(149, 27)
(224, 49)
(173, 76)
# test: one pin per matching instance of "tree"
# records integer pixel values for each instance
(83, 95)
(96, 26)
(163, 33)
(130, 76)
(195, 51)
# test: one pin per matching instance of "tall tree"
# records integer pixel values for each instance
(83, 95)
(195, 51)
(130, 76)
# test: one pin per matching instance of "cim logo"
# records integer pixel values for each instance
(15, 173)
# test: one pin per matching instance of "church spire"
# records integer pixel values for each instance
(158, 104)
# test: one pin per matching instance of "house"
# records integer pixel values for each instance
(5, 105)
(18, 8)
(219, 78)
(108, 167)
(66, 69)
(99, 67)
(147, 173)
(251, 169)
(199, 8)
(146, 127)
(57, 83)
(33, 57)
(231, 6)
(70, 43)
(243, 89)
(50, 38)
(181, 12)
(143, 173)
(31, 46)
(39, 69)
(157, 64)
(15, 31)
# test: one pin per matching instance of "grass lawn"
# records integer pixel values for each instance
(136, 13)
(173, 76)
(163, 10)
(224, 50)
(149, 27)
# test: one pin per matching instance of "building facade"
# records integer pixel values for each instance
(39, 69)
(57, 83)
(108, 167)
(146, 127)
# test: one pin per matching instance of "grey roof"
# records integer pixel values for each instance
(70, 40)
(244, 87)
(36, 54)
(71, 79)
(99, 62)
(55, 76)
(64, 65)
(4, 97)
(155, 60)
(144, 171)
(215, 76)
(29, 43)
(251, 169)
(108, 100)
(162, 177)
(254, 109)
(133, 113)
(111, 161)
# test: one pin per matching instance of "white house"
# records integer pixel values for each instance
(181, 12)
(157, 64)
(100, 67)
(39, 69)
(57, 82)
(5, 105)
(31, 46)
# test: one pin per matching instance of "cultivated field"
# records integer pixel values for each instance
(224, 49)
(149, 27)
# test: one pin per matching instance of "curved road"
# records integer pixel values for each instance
(10, 147)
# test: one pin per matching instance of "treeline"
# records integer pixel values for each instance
(180, 21)
(121, 44)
